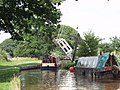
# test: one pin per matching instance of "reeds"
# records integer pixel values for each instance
(15, 83)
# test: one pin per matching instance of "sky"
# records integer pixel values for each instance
(102, 17)
(4, 36)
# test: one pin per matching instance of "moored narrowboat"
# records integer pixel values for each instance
(105, 66)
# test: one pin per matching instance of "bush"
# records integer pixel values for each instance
(58, 53)
(67, 65)
(3, 55)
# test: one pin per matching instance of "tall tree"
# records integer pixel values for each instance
(35, 46)
(106, 47)
(19, 17)
(115, 43)
(9, 45)
(89, 45)
(68, 33)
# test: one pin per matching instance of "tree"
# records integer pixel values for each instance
(22, 17)
(106, 47)
(26, 50)
(35, 46)
(42, 42)
(9, 45)
(115, 43)
(89, 45)
(68, 33)
(3, 55)
(33, 21)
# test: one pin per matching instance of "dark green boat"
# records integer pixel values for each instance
(103, 66)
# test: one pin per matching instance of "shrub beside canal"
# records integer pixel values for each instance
(67, 65)
(3, 56)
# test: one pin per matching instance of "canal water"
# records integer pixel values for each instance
(63, 80)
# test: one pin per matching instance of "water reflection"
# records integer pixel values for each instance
(38, 80)
(63, 80)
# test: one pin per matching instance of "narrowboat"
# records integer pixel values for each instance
(105, 66)
(49, 62)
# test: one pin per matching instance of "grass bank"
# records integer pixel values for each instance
(9, 69)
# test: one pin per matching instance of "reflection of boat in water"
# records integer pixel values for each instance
(105, 66)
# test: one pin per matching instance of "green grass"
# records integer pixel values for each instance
(9, 69)
(5, 86)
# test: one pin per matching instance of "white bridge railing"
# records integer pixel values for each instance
(66, 48)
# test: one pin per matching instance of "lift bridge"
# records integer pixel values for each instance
(63, 44)
(66, 48)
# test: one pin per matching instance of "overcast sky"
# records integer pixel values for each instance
(100, 16)
(4, 36)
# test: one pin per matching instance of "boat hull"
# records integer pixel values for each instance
(96, 74)
(48, 67)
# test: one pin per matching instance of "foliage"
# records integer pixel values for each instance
(106, 47)
(9, 45)
(115, 43)
(42, 43)
(58, 53)
(35, 22)
(35, 47)
(68, 33)
(70, 64)
(67, 65)
(3, 55)
(22, 17)
(24, 50)
(89, 45)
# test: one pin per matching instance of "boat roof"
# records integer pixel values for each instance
(88, 61)
(96, 61)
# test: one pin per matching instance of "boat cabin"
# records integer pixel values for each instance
(102, 65)
(102, 62)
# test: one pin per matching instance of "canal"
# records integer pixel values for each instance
(63, 80)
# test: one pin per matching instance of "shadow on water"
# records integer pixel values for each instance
(63, 80)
